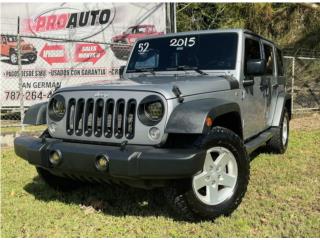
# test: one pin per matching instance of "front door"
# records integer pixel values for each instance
(254, 96)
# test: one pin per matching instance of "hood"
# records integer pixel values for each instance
(188, 85)
(13, 44)
(23, 44)
(119, 37)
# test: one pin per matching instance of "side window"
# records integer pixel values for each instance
(268, 53)
(252, 51)
(280, 63)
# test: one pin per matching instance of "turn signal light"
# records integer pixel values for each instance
(209, 122)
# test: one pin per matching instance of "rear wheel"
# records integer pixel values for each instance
(219, 188)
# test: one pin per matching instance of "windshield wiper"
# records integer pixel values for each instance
(185, 68)
(149, 70)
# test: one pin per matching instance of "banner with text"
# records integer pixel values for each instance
(51, 58)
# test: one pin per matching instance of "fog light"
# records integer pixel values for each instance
(102, 162)
(154, 133)
(55, 157)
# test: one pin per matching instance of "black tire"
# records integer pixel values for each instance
(13, 58)
(181, 195)
(56, 182)
(276, 144)
(32, 58)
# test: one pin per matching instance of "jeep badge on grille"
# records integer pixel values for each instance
(100, 95)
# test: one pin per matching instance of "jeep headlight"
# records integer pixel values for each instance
(151, 110)
(57, 108)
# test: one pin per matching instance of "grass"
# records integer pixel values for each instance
(283, 200)
(30, 128)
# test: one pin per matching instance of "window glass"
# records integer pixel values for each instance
(252, 51)
(147, 61)
(268, 53)
(280, 63)
(142, 30)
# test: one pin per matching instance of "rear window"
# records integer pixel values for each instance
(268, 54)
(280, 63)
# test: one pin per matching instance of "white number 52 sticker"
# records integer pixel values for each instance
(183, 42)
(143, 47)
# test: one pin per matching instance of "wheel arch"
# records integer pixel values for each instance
(283, 101)
(231, 121)
(12, 50)
(36, 114)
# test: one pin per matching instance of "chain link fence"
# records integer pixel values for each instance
(304, 81)
(32, 67)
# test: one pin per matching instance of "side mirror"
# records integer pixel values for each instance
(121, 71)
(255, 67)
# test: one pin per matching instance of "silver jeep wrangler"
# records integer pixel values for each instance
(186, 114)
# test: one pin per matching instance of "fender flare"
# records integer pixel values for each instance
(281, 102)
(190, 117)
(36, 114)
(12, 50)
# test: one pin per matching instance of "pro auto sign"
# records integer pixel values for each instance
(54, 59)
(62, 20)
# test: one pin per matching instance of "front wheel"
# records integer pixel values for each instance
(32, 58)
(13, 58)
(219, 188)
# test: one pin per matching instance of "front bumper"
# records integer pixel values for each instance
(137, 162)
(28, 54)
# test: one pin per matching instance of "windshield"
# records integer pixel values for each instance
(215, 51)
(129, 30)
(12, 39)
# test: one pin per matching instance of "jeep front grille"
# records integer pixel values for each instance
(101, 118)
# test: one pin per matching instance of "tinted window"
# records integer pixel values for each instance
(280, 63)
(252, 51)
(217, 51)
(268, 53)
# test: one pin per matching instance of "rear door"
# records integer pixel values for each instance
(269, 81)
(278, 83)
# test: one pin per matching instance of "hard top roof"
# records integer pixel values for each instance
(141, 25)
(234, 30)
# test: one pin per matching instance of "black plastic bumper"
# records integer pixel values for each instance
(28, 54)
(140, 162)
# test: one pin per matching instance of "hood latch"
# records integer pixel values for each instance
(176, 91)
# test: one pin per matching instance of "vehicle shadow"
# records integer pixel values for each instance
(112, 200)
(257, 152)
(23, 62)
(109, 199)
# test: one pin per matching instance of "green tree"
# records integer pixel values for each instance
(289, 24)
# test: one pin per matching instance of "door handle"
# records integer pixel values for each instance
(248, 82)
